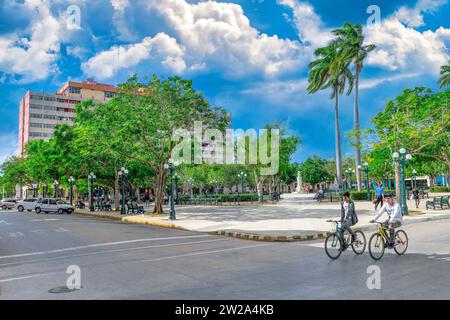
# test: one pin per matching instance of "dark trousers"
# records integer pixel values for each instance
(379, 200)
(391, 227)
(345, 225)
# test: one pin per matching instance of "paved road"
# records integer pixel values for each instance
(127, 261)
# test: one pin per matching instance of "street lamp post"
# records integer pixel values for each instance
(34, 189)
(71, 181)
(214, 183)
(414, 178)
(44, 190)
(123, 173)
(56, 186)
(241, 177)
(172, 215)
(176, 185)
(91, 179)
(401, 158)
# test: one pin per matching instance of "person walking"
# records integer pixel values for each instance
(379, 195)
(416, 197)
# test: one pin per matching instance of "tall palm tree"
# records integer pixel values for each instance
(329, 70)
(350, 39)
(444, 80)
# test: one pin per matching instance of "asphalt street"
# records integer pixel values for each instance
(129, 261)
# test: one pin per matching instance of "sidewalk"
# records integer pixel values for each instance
(297, 217)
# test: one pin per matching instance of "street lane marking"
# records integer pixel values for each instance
(198, 253)
(30, 276)
(16, 234)
(98, 245)
(113, 251)
(5, 222)
(61, 230)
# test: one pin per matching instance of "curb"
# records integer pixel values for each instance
(153, 223)
(268, 238)
(97, 216)
(314, 236)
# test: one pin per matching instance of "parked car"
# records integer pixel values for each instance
(53, 205)
(26, 204)
(7, 203)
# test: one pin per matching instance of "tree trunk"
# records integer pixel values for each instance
(357, 132)
(258, 185)
(338, 143)
(159, 192)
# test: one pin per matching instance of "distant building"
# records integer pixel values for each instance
(40, 113)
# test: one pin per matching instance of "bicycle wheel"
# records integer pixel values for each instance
(333, 246)
(359, 245)
(376, 246)
(401, 242)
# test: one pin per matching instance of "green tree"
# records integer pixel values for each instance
(314, 170)
(350, 39)
(444, 80)
(417, 120)
(331, 70)
(150, 111)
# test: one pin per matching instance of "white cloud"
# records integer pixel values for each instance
(413, 17)
(106, 63)
(220, 35)
(372, 83)
(403, 48)
(309, 25)
(33, 54)
(120, 20)
(216, 36)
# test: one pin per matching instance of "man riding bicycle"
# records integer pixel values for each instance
(392, 208)
(348, 214)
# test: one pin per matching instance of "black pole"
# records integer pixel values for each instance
(122, 182)
(172, 206)
(71, 193)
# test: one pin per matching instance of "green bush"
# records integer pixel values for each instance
(440, 189)
(361, 195)
(227, 197)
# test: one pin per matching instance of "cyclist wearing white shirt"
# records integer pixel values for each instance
(394, 212)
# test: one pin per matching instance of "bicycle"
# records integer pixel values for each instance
(337, 242)
(380, 240)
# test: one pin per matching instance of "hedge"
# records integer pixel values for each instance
(440, 189)
(362, 195)
(226, 197)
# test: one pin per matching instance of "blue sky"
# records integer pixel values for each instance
(248, 56)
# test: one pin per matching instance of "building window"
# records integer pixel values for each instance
(35, 125)
(49, 126)
(49, 116)
(74, 90)
(35, 106)
(34, 97)
(109, 94)
(36, 115)
(49, 108)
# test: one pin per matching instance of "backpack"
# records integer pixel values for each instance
(354, 215)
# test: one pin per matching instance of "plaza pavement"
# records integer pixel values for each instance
(296, 217)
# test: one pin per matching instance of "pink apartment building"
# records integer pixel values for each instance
(40, 113)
